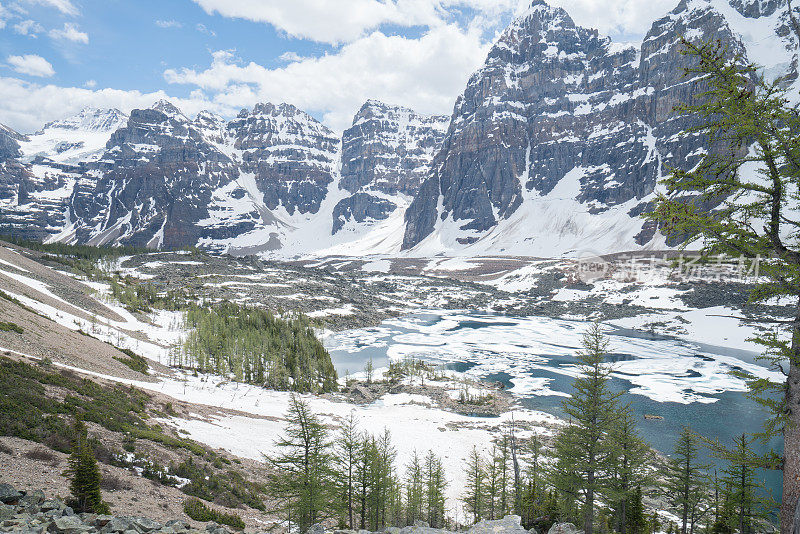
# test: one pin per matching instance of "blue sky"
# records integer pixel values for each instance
(325, 56)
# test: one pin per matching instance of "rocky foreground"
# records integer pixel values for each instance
(33, 513)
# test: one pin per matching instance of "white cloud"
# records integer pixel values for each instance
(169, 24)
(31, 65)
(70, 32)
(28, 27)
(631, 18)
(311, 19)
(202, 28)
(426, 74)
(64, 6)
(26, 106)
(290, 56)
(91, 84)
(344, 21)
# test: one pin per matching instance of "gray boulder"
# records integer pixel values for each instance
(68, 525)
(102, 520)
(144, 524)
(34, 497)
(508, 525)
(6, 511)
(118, 524)
(316, 529)
(52, 504)
(564, 528)
(9, 495)
(177, 525)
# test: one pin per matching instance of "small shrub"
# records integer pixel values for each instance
(129, 443)
(133, 361)
(42, 455)
(198, 511)
(8, 326)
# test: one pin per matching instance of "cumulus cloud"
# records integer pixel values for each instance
(26, 106)
(169, 24)
(70, 32)
(311, 19)
(31, 65)
(64, 6)
(290, 56)
(426, 74)
(627, 18)
(28, 27)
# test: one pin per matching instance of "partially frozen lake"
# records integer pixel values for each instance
(682, 381)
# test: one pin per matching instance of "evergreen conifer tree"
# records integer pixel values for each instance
(435, 486)
(582, 447)
(743, 506)
(303, 481)
(686, 478)
(84, 475)
(346, 450)
(415, 490)
(474, 486)
(629, 459)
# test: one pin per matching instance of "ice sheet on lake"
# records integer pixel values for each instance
(533, 352)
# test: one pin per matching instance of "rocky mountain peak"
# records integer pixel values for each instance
(9, 143)
(208, 117)
(268, 109)
(169, 109)
(386, 154)
(561, 132)
(757, 8)
(90, 120)
(292, 155)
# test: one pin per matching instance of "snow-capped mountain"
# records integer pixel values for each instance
(558, 141)
(151, 186)
(554, 147)
(78, 138)
(386, 155)
(267, 181)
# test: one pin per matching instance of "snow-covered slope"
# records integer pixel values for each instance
(79, 138)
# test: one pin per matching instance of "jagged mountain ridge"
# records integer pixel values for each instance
(264, 181)
(558, 141)
(555, 147)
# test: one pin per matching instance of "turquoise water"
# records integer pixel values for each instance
(540, 351)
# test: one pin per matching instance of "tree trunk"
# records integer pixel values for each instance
(791, 439)
(588, 512)
(685, 515)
